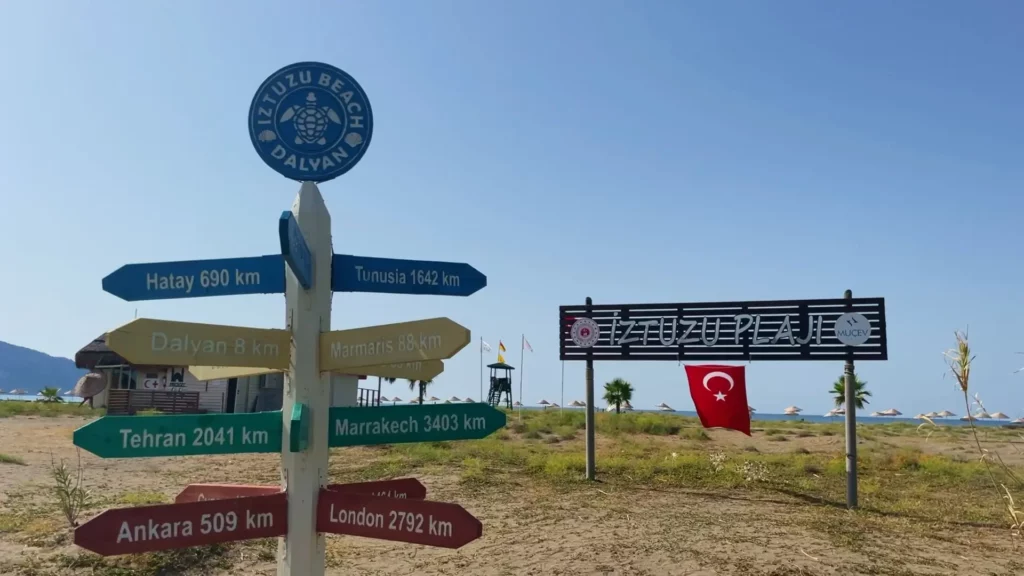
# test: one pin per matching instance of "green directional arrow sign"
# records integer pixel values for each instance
(181, 435)
(364, 426)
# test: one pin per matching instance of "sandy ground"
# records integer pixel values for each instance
(531, 529)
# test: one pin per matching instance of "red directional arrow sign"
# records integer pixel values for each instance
(402, 520)
(410, 488)
(167, 526)
(200, 492)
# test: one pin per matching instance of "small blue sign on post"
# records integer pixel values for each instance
(295, 250)
(197, 278)
(389, 275)
(310, 122)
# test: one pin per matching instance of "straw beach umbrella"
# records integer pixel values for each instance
(433, 399)
(90, 385)
(1000, 416)
(455, 399)
(544, 403)
(665, 407)
(469, 400)
(517, 404)
(945, 414)
(792, 411)
(932, 415)
(891, 412)
(577, 404)
(414, 401)
(983, 415)
(555, 405)
(395, 400)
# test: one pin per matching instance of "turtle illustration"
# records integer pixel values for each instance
(310, 121)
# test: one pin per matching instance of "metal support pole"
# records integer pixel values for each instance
(591, 458)
(851, 427)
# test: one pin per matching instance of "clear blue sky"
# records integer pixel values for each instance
(628, 151)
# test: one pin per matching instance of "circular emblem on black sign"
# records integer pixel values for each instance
(585, 332)
(310, 122)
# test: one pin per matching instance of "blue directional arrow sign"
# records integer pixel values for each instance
(197, 278)
(295, 250)
(388, 275)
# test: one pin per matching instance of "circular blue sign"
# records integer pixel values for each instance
(311, 122)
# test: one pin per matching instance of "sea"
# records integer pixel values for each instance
(757, 416)
(33, 397)
(954, 421)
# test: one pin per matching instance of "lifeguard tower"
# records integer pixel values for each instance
(501, 383)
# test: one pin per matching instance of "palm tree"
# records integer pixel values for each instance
(388, 380)
(618, 392)
(50, 394)
(422, 384)
(860, 392)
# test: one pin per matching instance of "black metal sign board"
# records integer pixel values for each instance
(835, 329)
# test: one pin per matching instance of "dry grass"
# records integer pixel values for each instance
(672, 497)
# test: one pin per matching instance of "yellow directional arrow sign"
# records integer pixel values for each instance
(433, 339)
(419, 370)
(204, 373)
(166, 343)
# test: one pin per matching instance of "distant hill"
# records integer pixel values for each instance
(34, 370)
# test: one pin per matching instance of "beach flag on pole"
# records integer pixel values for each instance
(501, 346)
(484, 346)
(720, 395)
(526, 344)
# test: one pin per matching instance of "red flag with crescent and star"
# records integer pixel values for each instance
(720, 395)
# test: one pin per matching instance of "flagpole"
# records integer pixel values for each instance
(522, 368)
(481, 368)
(562, 403)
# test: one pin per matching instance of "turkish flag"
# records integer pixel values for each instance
(720, 395)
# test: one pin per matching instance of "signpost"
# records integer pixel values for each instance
(366, 426)
(419, 370)
(409, 488)
(181, 435)
(200, 492)
(144, 341)
(169, 526)
(720, 331)
(414, 521)
(197, 278)
(393, 276)
(295, 250)
(433, 339)
(845, 328)
(310, 122)
(205, 373)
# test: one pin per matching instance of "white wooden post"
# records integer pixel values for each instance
(302, 552)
